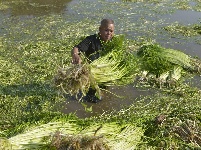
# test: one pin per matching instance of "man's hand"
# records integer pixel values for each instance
(75, 56)
(76, 59)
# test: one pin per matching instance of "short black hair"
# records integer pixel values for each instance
(106, 22)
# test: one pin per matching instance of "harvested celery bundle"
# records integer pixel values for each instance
(166, 65)
(118, 67)
(157, 59)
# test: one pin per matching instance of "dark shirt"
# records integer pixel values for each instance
(91, 46)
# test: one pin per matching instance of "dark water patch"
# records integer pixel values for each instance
(34, 7)
(189, 45)
(116, 99)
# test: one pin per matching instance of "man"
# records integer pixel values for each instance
(92, 46)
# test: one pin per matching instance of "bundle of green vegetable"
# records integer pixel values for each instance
(158, 60)
(166, 65)
(110, 135)
(116, 67)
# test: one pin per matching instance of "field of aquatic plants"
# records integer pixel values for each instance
(33, 49)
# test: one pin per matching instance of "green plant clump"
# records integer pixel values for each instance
(190, 30)
(116, 67)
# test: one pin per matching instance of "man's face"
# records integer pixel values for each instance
(106, 32)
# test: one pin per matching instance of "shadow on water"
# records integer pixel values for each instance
(36, 7)
(116, 99)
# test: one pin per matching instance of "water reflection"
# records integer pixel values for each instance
(36, 7)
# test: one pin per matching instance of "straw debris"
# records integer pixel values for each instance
(78, 142)
(74, 78)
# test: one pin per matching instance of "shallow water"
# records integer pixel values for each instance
(120, 97)
(185, 17)
(132, 19)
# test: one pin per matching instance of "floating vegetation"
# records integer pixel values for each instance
(197, 6)
(163, 115)
(3, 6)
(169, 121)
(32, 47)
(183, 5)
(191, 30)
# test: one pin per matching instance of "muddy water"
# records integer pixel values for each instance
(131, 20)
(116, 99)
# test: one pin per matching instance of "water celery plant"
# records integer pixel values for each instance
(118, 67)
(109, 135)
(166, 65)
(157, 59)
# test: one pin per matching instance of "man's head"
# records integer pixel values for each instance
(106, 29)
